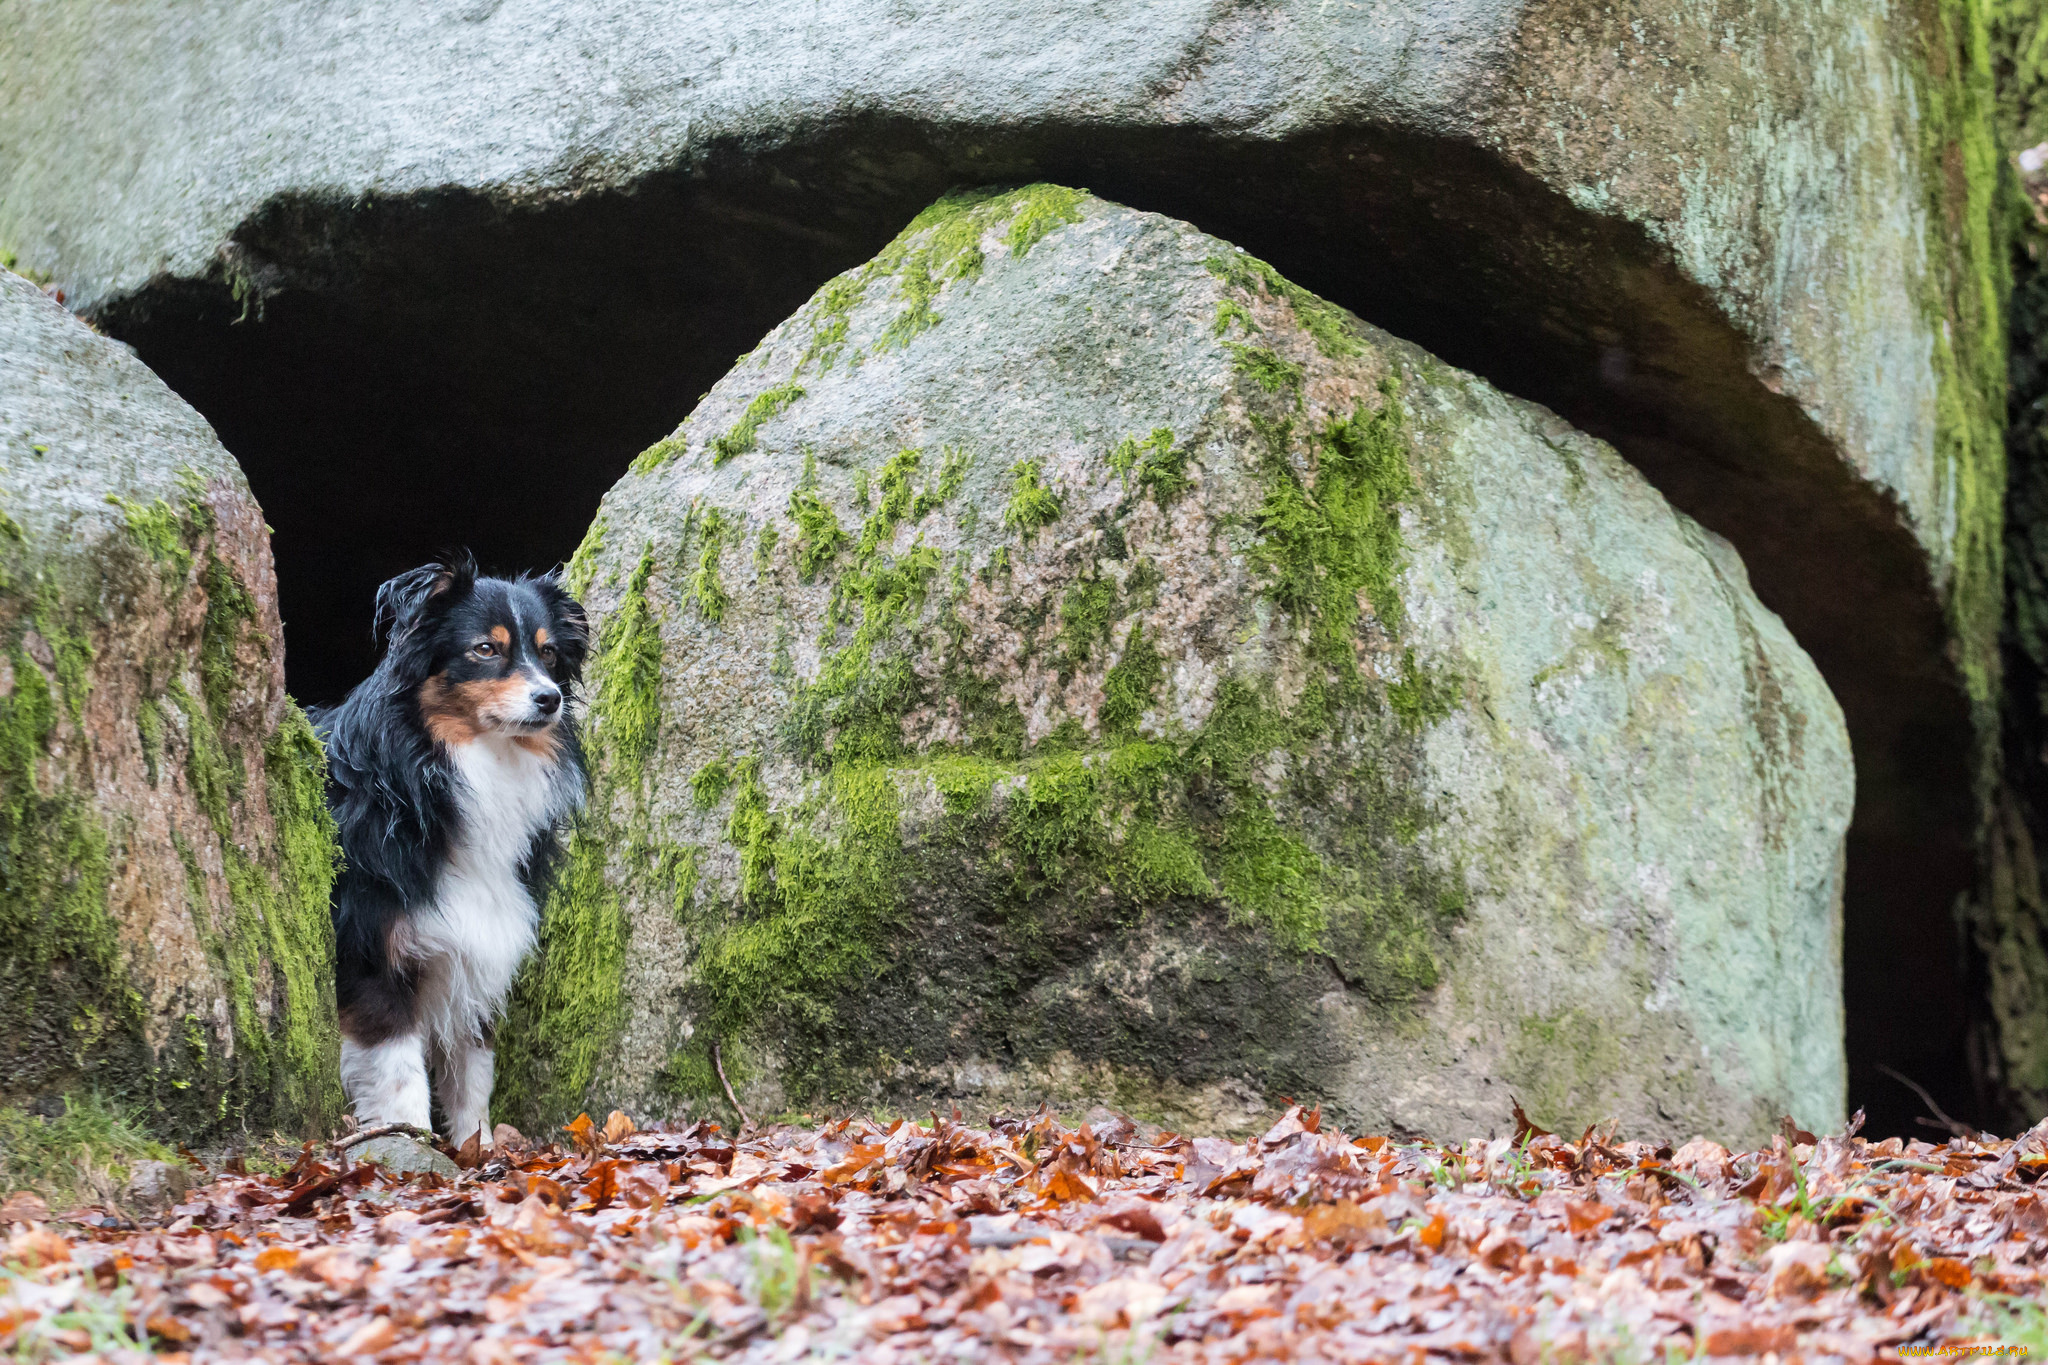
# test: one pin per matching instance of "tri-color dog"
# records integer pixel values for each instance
(451, 770)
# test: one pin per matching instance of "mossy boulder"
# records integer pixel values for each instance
(165, 854)
(1067, 661)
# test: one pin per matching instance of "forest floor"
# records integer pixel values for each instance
(1033, 1241)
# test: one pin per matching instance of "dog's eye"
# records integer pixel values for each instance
(547, 655)
(484, 649)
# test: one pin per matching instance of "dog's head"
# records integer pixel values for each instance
(482, 655)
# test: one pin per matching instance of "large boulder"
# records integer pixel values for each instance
(467, 250)
(165, 853)
(1067, 661)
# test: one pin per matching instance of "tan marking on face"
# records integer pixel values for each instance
(541, 637)
(456, 713)
(502, 636)
(447, 719)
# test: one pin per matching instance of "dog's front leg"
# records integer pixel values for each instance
(463, 1071)
(386, 1081)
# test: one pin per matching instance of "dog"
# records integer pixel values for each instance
(451, 771)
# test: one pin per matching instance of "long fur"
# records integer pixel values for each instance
(448, 834)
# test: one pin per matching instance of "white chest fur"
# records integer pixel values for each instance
(482, 923)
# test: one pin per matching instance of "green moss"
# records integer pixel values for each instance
(710, 783)
(625, 680)
(952, 475)
(1230, 311)
(217, 780)
(583, 563)
(1421, 696)
(1331, 328)
(1032, 504)
(569, 1002)
(939, 246)
(67, 633)
(814, 903)
(1040, 209)
(274, 951)
(1161, 469)
(298, 928)
(1325, 545)
(1129, 686)
(829, 309)
(853, 708)
(897, 500)
(60, 959)
(661, 452)
(818, 533)
(1264, 368)
(1086, 612)
(230, 611)
(160, 529)
(764, 548)
(707, 590)
(741, 438)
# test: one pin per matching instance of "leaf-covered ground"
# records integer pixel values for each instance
(1033, 1241)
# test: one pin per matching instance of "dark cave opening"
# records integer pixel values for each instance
(445, 368)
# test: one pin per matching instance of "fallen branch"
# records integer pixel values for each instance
(362, 1135)
(1940, 1119)
(719, 1062)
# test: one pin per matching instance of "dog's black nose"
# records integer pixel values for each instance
(548, 702)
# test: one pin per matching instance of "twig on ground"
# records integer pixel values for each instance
(719, 1062)
(1940, 1119)
(362, 1135)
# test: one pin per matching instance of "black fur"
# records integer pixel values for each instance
(391, 785)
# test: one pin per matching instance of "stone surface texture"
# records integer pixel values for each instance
(164, 934)
(1066, 661)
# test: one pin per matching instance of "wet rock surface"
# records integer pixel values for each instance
(164, 936)
(1068, 661)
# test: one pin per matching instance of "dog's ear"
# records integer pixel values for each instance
(406, 599)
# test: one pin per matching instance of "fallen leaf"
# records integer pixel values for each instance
(167, 1327)
(38, 1246)
(1797, 1270)
(24, 1206)
(1750, 1339)
(1344, 1221)
(617, 1127)
(1584, 1217)
(603, 1185)
(373, 1336)
(1948, 1271)
(277, 1258)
